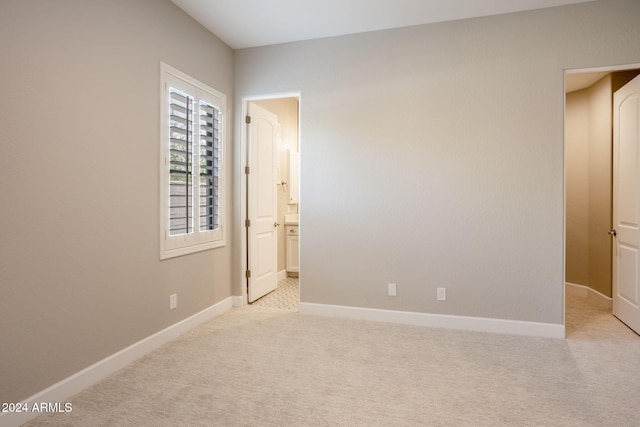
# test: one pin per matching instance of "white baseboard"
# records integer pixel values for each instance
(70, 386)
(282, 274)
(477, 324)
(586, 292)
(237, 301)
(579, 290)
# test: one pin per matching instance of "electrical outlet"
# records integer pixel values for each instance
(392, 289)
(441, 294)
(173, 301)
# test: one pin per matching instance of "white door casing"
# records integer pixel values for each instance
(626, 204)
(262, 262)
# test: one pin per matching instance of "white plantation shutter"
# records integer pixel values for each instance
(180, 163)
(209, 167)
(191, 178)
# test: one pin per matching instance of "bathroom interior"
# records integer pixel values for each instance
(287, 160)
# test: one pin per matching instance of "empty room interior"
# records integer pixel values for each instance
(448, 202)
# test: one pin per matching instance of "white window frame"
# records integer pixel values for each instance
(196, 240)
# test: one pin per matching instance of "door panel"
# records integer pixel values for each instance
(628, 273)
(264, 244)
(628, 167)
(626, 203)
(262, 134)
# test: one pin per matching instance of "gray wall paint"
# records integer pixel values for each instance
(79, 262)
(433, 156)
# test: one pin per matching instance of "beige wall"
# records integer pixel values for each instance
(434, 156)
(287, 111)
(600, 180)
(588, 127)
(577, 187)
(621, 78)
(79, 163)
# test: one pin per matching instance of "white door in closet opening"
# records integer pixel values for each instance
(262, 238)
(626, 204)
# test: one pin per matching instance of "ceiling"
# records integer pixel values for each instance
(251, 23)
(577, 81)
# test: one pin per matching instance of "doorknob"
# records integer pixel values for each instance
(612, 233)
(275, 224)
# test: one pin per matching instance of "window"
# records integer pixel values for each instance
(191, 199)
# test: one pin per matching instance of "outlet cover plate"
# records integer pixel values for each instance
(441, 294)
(392, 289)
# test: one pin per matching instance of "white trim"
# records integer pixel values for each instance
(574, 289)
(237, 301)
(619, 67)
(197, 240)
(478, 324)
(591, 294)
(72, 385)
(282, 274)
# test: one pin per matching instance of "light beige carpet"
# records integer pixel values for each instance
(259, 366)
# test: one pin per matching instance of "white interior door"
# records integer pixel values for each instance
(262, 240)
(626, 204)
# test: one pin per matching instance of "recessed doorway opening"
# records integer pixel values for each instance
(591, 254)
(271, 202)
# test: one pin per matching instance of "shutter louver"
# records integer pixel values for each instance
(180, 163)
(209, 166)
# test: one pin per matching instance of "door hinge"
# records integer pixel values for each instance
(247, 223)
(247, 274)
(247, 119)
(246, 170)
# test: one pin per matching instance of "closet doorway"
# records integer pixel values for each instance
(590, 169)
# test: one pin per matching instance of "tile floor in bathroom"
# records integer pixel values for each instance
(285, 297)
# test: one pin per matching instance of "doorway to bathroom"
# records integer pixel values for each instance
(272, 204)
